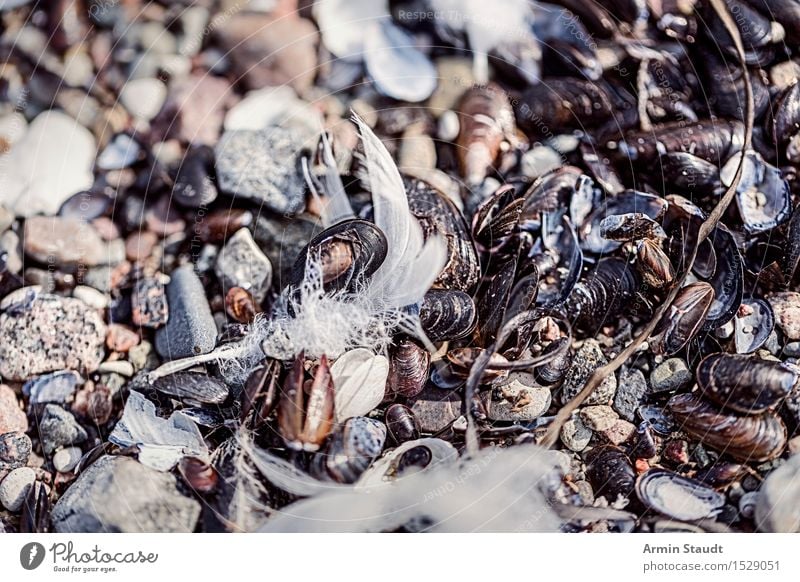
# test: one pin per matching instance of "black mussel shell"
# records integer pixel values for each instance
(193, 386)
(401, 423)
(409, 364)
(447, 315)
(610, 472)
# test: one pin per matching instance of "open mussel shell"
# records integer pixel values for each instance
(560, 239)
(744, 438)
(745, 384)
(684, 318)
(438, 216)
(752, 326)
(657, 418)
(193, 387)
(727, 281)
(447, 315)
(762, 195)
(350, 450)
(497, 217)
(409, 458)
(409, 364)
(678, 497)
(629, 226)
(348, 253)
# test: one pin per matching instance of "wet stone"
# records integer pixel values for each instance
(57, 387)
(149, 303)
(15, 448)
(521, 399)
(599, 418)
(263, 166)
(66, 459)
(575, 434)
(152, 501)
(242, 264)
(630, 392)
(587, 359)
(14, 487)
(191, 329)
(58, 428)
(12, 417)
(436, 409)
(669, 376)
(54, 333)
(63, 241)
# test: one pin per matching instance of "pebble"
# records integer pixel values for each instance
(786, 306)
(57, 387)
(149, 303)
(55, 240)
(436, 409)
(120, 153)
(14, 487)
(40, 172)
(152, 503)
(12, 417)
(120, 338)
(669, 376)
(91, 296)
(194, 186)
(195, 108)
(263, 166)
(268, 50)
(55, 333)
(575, 435)
(621, 431)
(58, 428)
(677, 452)
(15, 448)
(66, 459)
(630, 392)
(522, 399)
(120, 368)
(11, 248)
(282, 241)
(242, 264)
(792, 349)
(587, 359)
(778, 504)
(143, 98)
(139, 245)
(143, 357)
(599, 418)
(191, 329)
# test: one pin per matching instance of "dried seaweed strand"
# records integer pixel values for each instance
(601, 373)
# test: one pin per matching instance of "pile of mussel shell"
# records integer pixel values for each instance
(567, 155)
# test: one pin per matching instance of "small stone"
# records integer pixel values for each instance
(786, 306)
(521, 399)
(12, 417)
(575, 435)
(163, 218)
(587, 359)
(58, 428)
(190, 330)
(66, 459)
(621, 431)
(120, 338)
(436, 409)
(263, 166)
(12, 249)
(139, 245)
(792, 349)
(282, 241)
(91, 296)
(40, 172)
(143, 357)
(630, 393)
(120, 153)
(143, 98)
(152, 503)
(195, 108)
(15, 448)
(242, 264)
(57, 387)
(54, 333)
(149, 303)
(270, 50)
(676, 452)
(778, 505)
(669, 376)
(599, 418)
(117, 367)
(54, 240)
(194, 186)
(14, 487)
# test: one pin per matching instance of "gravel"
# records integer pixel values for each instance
(15, 448)
(14, 487)
(58, 428)
(55, 333)
(669, 376)
(599, 418)
(118, 494)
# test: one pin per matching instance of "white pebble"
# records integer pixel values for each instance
(66, 459)
(91, 296)
(15, 486)
(143, 98)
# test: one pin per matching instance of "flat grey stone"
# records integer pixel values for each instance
(58, 428)
(66, 459)
(631, 389)
(575, 435)
(14, 487)
(191, 329)
(119, 494)
(263, 166)
(522, 399)
(670, 375)
(587, 359)
(435, 409)
(242, 264)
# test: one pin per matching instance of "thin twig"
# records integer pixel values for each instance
(708, 226)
